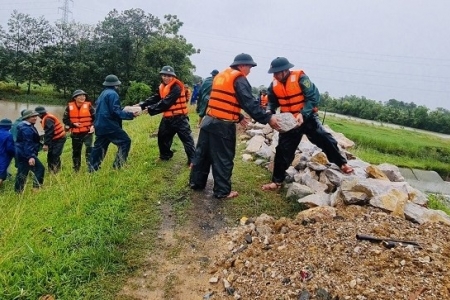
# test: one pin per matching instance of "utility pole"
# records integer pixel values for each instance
(65, 11)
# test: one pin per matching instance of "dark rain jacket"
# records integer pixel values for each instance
(203, 96)
(27, 143)
(109, 113)
(7, 149)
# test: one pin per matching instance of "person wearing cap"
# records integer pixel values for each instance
(203, 95)
(216, 144)
(54, 138)
(293, 92)
(7, 149)
(172, 103)
(108, 126)
(78, 118)
(263, 99)
(27, 147)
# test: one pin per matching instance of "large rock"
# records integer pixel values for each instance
(297, 191)
(374, 172)
(420, 214)
(392, 172)
(286, 121)
(318, 199)
(255, 144)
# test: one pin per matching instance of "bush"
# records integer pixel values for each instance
(9, 88)
(137, 92)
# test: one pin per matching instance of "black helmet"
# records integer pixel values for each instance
(40, 110)
(243, 59)
(214, 72)
(279, 64)
(168, 70)
(111, 80)
(78, 92)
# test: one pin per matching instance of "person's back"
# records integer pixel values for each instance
(203, 96)
(108, 126)
(107, 112)
(7, 149)
(194, 95)
(15, 124)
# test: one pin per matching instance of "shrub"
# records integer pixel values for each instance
(137, 91)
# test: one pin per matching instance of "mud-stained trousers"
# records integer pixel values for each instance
(168, 127)
(289, 141)
(216, 149)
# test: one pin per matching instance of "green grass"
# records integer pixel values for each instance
(83, 235)
(44, 94)
(439, 202)
(401, 147)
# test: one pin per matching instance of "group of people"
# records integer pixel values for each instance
(221, 99)
(290, 91)
(22, 140)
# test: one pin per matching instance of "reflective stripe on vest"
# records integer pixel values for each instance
(290, 95)
(80, 115)
(264, 100)
(222, 102)
(59, 129)
(179, 107)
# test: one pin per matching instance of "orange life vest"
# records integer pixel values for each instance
(188, 93)
(264, 100)
(290, 95)
(59, 129)
(179, 107)
(80, 115)
(222, 102)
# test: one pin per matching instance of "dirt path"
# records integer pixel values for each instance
(178, 269)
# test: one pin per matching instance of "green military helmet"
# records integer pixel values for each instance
(243, 59)
(40, 110)
(167, 70)
(279, 64)
(78, 93)
(111, 80)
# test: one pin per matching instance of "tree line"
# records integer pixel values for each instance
(132, 44)
(392, 111)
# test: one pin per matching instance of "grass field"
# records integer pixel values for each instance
(403, 148)
(82, 234)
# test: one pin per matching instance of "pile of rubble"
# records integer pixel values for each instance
(367, 235)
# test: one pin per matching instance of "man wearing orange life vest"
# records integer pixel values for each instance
(54, 138)
(172, 103)
(216, 144)
(294, 93)
(79, 120)
(263, 99)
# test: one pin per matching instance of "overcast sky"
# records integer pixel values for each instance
(380, 49)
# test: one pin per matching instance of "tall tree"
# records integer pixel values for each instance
(4, 61)
(40, 34)
(25, 39)
(122, 38)
(16, 44)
